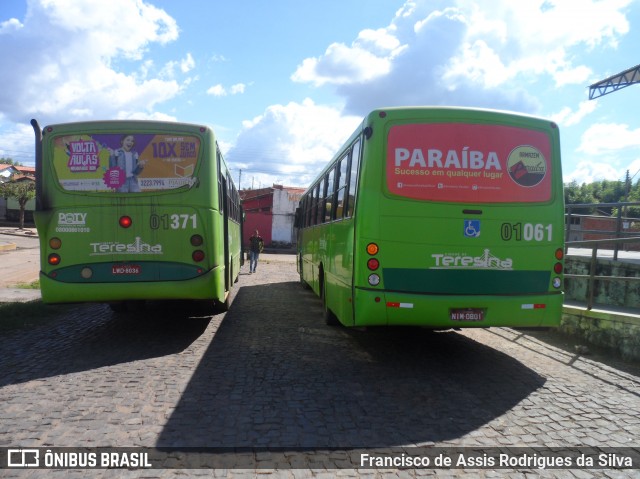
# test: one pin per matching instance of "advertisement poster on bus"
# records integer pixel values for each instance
(469, 163)
(125, 163)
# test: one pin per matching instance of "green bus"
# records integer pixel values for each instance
(135, 210)
(438, 217)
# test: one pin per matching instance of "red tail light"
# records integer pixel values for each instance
(125, 221)
(197, 255)
(54, 259)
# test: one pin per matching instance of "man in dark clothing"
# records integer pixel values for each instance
(256, 245)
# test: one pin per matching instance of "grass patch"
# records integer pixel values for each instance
(28, 315)
(33, 285)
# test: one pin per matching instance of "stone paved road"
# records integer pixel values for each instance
(270, 373)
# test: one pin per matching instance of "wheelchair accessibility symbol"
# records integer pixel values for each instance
(471, 228)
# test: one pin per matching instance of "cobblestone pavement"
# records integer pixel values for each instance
(270, 373)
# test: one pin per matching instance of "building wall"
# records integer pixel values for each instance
(285, 202)
(608, 226)
(272, 211)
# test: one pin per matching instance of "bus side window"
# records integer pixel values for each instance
(342, 171)
(220, 192)
(328, 196)
(319, 202)
(352, 184)
(308, 202)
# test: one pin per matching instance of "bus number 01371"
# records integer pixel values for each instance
(526, 232)
(175, 222)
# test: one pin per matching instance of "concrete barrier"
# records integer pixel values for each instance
(614, 321)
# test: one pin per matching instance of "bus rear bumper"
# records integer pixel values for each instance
(208, 286)
(400, 309)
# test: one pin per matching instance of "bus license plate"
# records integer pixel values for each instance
(468, 314)
(126, 269)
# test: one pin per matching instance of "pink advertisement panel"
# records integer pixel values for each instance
(469, 163)
(126, 163)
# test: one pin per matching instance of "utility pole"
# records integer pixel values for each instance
(239, 179)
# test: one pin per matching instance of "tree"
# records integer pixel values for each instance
(9, 161)
(21, 191)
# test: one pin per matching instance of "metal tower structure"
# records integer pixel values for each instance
(615, 82)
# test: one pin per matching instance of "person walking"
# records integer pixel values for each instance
(256, 245)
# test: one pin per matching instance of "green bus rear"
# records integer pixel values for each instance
(135, 210)
(438, 217)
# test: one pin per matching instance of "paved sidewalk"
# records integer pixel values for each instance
(19, 263)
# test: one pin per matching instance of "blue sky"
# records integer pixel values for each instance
(284, 82)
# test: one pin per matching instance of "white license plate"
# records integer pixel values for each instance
(467, 314)
(125, 269)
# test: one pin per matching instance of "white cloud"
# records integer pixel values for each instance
(57, 67)
(220, 90)
(342, 65)
(217, 90)
(602, 138)
(187, 64)
(468, 54)
(567, 117)
(590, 171)
(290, 143)
(238, 88)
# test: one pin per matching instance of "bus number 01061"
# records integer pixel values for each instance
(526, 232)
(175, 222)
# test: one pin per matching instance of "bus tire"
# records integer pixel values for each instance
(223, 306)
(330, 319)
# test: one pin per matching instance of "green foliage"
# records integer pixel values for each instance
(604, 191)
(21, 191)
(9, 161)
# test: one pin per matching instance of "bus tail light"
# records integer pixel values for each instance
(125, 221)
(196, 240)
(54, 259)
(55, 243)
(559, 254)
(197, 255)
(558, 268)
(373, 264)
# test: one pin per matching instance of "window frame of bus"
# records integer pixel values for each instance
(317, 197)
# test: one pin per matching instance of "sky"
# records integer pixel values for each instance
(283, 83)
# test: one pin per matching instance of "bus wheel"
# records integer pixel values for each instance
(304, 284)
(330, 319)
(223, 306)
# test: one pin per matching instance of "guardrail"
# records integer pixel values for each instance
(620, 219)
(594, 244)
